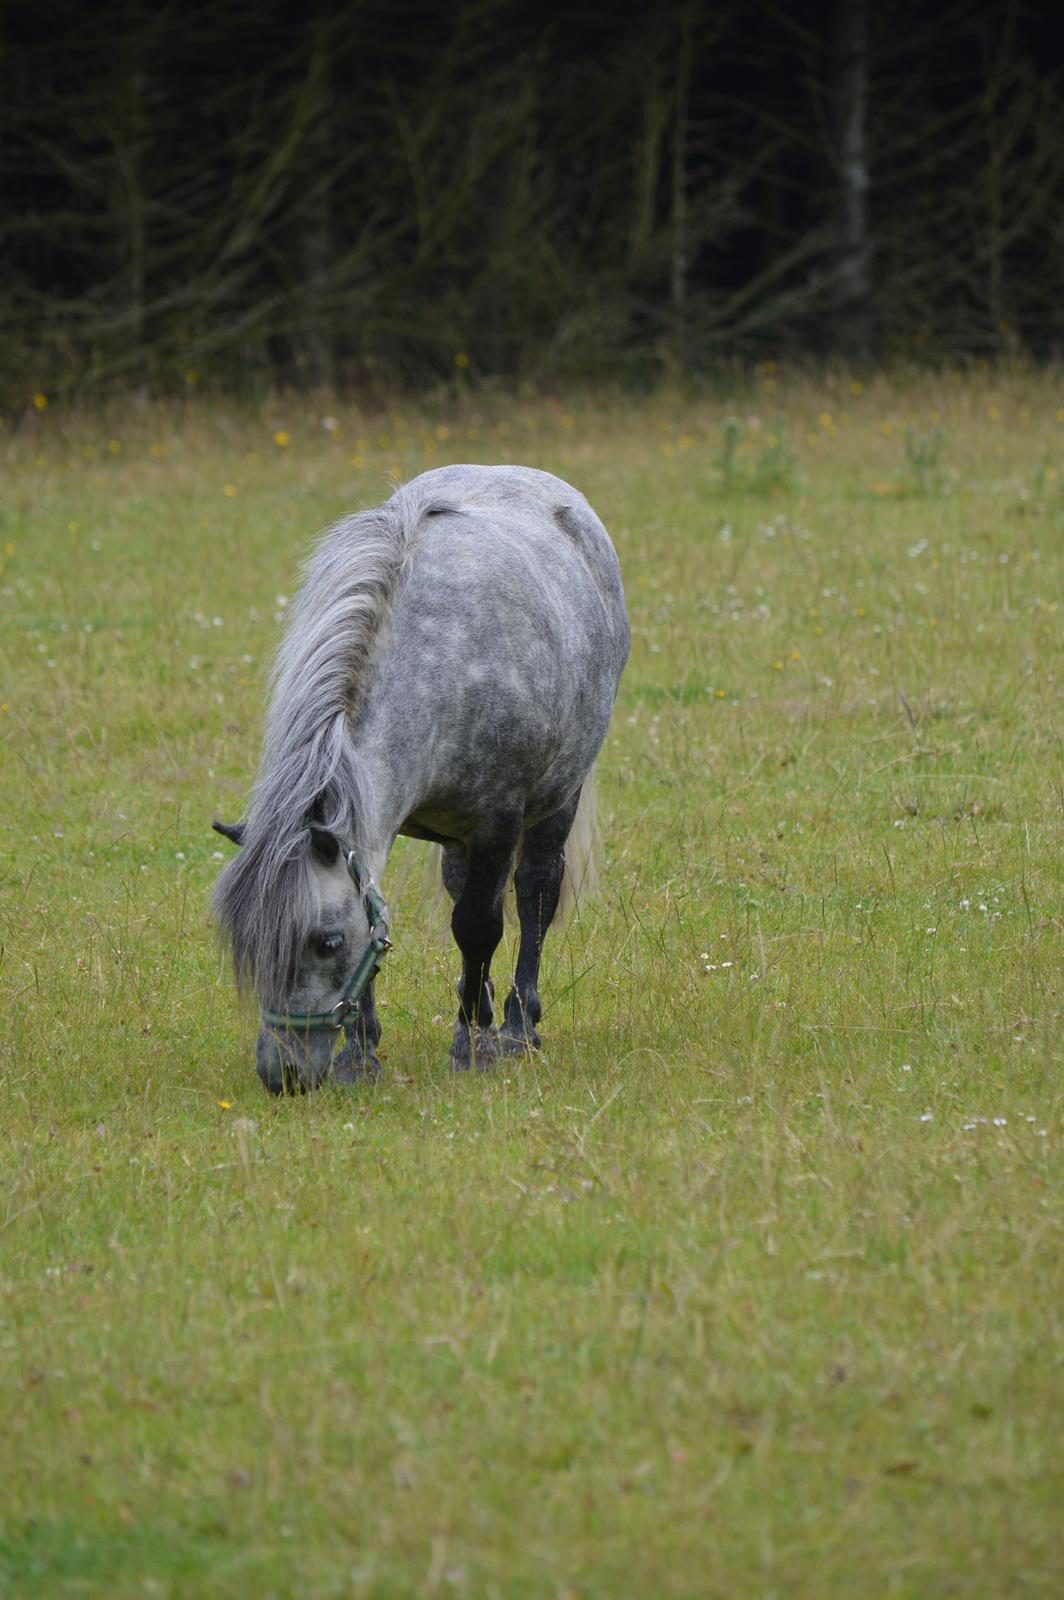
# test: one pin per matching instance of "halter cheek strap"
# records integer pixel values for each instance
(364, 973)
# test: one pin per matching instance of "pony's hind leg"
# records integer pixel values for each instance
(538, 883)
(477, 877)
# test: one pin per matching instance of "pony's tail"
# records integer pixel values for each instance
(582, 857)
(583, 854)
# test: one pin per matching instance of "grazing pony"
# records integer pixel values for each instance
(447, 673)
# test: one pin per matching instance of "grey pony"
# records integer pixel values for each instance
(447, 673)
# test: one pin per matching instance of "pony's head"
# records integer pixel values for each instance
(300, 922)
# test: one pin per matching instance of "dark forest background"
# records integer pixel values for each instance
(253, 193)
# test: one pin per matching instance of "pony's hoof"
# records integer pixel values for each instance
(474, 1047)
(357, 1071)
(356, 1065)
(519, 1044)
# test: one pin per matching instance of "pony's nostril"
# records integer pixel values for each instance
(276, 1074)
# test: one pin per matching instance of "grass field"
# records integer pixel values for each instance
(751, 1284)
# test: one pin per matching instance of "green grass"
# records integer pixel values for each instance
(751, 1286)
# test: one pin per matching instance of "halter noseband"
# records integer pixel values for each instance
(367, 969)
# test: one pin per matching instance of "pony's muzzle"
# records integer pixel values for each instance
(286, 1066)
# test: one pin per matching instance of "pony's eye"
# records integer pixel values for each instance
(327, 943)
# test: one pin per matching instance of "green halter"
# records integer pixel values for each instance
(364, 973)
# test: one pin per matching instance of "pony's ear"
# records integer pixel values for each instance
(325, 845)
(230, 830)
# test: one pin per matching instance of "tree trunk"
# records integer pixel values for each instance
(678, 284)
(851, 290)
(129, 135)
(316, 230)
(646, 168)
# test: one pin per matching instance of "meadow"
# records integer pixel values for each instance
(751, 1283)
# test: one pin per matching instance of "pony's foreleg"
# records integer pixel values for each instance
(538, 884)
(358, 1058)
(477, 923)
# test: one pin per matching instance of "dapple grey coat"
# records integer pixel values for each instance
(448, 672)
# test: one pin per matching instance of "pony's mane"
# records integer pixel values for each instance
(264, 900)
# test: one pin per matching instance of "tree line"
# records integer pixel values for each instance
(252, 194)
